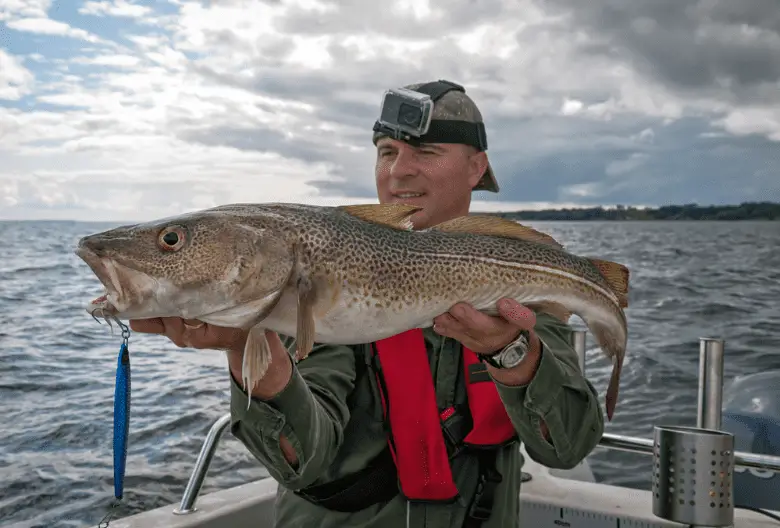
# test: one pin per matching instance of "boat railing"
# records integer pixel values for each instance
(708, 416)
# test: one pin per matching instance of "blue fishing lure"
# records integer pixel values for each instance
(121, 413)
(121, 420)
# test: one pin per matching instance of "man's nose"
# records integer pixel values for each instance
(404, 164)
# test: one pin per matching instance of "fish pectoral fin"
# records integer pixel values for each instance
(495, 226)
(247, 313)
(616, 275)
(392, 215)
(257, 358)
(557, 310)
(306, 326)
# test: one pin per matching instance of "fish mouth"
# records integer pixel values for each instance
(108, 272)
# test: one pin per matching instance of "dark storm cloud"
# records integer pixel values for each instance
(257, 139)
(681, 162)
(712, 57)
(678, 163)
(725, 47)
(354, 188)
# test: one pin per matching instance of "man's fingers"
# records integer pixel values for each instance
(476, 324)
(192, 336)
(201, 337)
(470, 317)
(444, 319)
(174, 330)
(173, 325)
(147, 326)
(517, 314)
(445, 324)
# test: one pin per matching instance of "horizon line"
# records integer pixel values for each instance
(491, 211)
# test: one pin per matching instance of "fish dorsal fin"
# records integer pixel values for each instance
(496, 226)
(391, 215)
(616, 276)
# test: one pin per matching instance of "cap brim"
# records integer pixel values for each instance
(487, 182)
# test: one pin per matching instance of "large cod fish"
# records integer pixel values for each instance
(345, 275)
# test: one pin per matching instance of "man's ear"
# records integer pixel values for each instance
(478, 164)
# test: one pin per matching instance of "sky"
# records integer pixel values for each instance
(131, 110)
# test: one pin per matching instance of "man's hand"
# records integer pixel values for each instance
(193, 334)
(482, 333)
(486, 334)
(197, 334)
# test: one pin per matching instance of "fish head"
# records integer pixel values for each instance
(187, 266)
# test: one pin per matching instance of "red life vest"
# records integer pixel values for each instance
(416, 440)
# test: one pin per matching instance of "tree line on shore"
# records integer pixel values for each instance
(743, 211)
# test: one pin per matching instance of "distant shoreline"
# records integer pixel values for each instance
(766, 211)
(757, 211)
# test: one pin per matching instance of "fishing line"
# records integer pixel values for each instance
(121, 420)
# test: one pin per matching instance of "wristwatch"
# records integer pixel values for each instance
(511, 355)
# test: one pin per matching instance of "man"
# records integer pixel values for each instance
(320, 427)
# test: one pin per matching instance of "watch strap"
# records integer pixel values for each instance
(523, 340)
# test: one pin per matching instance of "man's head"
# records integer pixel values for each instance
(440, 170)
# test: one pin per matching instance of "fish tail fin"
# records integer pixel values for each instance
(614, 346)
(616, 275)
(257, 359)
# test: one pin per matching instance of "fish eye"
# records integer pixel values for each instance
(172, 238)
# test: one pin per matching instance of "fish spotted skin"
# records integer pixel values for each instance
(346, 275)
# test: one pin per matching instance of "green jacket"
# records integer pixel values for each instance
(331, 414)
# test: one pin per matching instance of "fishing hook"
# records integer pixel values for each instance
(111, 317)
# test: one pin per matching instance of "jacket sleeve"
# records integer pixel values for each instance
(311, 411)
(560, 395)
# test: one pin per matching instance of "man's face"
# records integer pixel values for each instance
(437, 177)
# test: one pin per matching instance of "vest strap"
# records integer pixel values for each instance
(373, 484)
(485, 496)
(405, 388)
(416, 439)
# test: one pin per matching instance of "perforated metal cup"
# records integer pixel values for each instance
(693, 470)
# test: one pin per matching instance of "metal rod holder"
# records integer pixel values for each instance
(710, 409)
(693, 475)
(192, 490)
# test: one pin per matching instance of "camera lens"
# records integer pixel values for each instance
(409, 115)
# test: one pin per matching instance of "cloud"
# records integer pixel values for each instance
(118, 8)
(121, 109)
(15, 80)
(46, 26)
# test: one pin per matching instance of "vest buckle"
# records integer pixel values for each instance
(489, 479)
(455, 427)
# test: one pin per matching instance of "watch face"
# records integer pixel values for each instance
(515, 353)
(513, 356)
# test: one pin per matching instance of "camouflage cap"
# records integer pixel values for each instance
(456, 105)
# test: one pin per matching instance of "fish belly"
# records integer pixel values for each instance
(352, 318)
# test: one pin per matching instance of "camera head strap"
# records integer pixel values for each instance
(407, 115)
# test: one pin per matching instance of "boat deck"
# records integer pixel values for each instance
(550, 499)
(556, 498)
